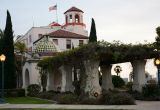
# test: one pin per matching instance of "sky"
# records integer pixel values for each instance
(129, 21)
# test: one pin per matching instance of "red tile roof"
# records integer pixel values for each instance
(54, 24)
(73, 9)
(66, 34)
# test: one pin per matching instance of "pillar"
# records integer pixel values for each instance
(50, 81)
(90, 78)
(106, 77)
(66, 71)
(138, 74)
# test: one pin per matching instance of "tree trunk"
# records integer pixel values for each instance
(90, 79)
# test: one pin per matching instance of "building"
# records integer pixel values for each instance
(48, 40)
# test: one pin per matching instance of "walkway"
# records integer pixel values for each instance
(141, 105)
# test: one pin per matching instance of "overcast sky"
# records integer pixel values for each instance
(125, 20)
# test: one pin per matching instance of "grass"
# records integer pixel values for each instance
(27, 100)
(55, 109)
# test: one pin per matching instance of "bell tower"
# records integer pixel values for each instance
(74, 21)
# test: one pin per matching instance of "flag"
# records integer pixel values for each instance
(53, 8)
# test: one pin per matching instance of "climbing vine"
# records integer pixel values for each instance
(105, 52)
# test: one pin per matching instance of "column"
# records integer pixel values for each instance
(106, 77)
(66, 71)
(90, 78)
(50, 81)
(139, 74)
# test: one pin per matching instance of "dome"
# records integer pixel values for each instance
(45, 47)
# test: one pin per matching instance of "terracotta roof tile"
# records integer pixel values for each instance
(66, 34)
(73, 9)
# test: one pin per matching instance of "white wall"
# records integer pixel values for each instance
(34, 76)
(62, 42)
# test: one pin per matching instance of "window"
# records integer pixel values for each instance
(68, 44)
(30, 39)
(55, 41)
(81, 42)
(77, 18)
(70, 18)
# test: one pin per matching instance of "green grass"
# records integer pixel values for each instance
(54, 109)
(26, 100)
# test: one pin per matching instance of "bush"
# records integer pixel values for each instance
(89, 101)
(14, 92)
(33, 90)
(129, 86)
(151, 90)
(121, 99)
(68, 99)
(46, 95)
(117, 81)
(116, 98)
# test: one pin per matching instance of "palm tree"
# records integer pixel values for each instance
(20, 49)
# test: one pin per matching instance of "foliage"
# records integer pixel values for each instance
(116, 98)
(14, 92)
(27, 100)
(46, 95)
(117, 81)
(89, 101)
(76, 85)
(129, 86)
(8, 51)
(93, 34)
(157, 43)
(33, 89)
(107, 53)
(151, 90)
(121, 99)
(20, 47)
(68, 99)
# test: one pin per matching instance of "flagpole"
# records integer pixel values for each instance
(56, 13)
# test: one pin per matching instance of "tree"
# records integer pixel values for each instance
(8, 51)
(1, 38)
(93, 34)
(158, 37)
(20, 48)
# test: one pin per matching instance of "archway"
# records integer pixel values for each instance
(77, 20)
(27, 79)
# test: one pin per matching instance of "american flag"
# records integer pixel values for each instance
(53, 8)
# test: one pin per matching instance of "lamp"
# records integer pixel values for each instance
(157, 63)
(2, 59)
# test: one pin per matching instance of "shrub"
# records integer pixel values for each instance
(15, 93)
(67, 99)
(151, 90)
(129, 86)
(121, 99)
(89, 101)
(117, 81)
(116, 98)
(46, 95)
(33, 89)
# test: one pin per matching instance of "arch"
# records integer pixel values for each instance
(77, 18)
(27, 79)
(66, 19)
(70, 19)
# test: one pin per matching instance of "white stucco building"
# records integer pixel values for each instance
(47, 40)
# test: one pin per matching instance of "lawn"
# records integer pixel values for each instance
(27, 100)
(54, 109)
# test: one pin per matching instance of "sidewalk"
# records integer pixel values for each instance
(141, 105)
